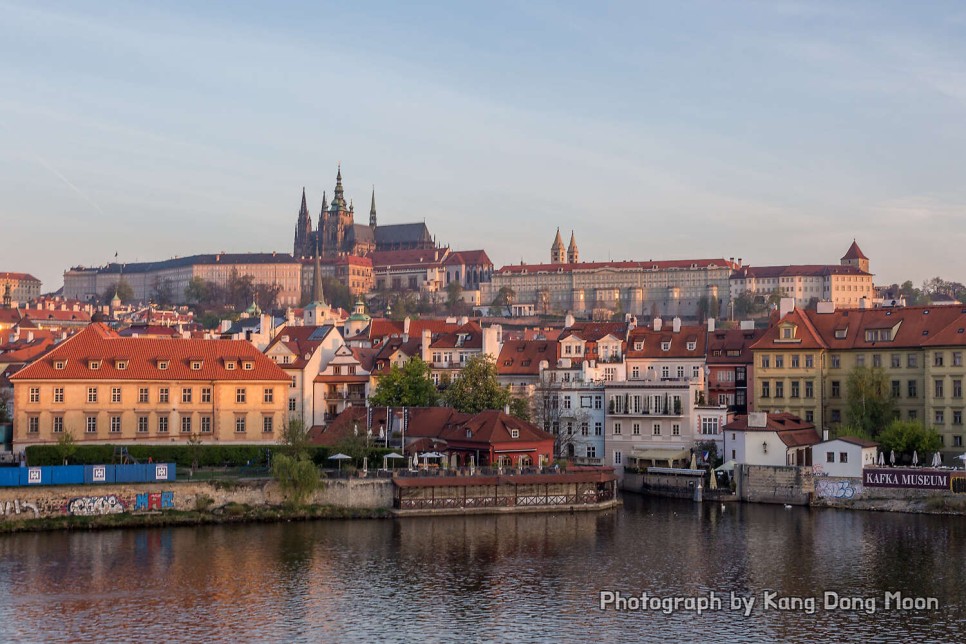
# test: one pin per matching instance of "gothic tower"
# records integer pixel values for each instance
(573, 255)
(336, 221)
(558, 255)
(303, 231)
(372, 210)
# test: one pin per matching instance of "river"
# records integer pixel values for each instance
(528, 577)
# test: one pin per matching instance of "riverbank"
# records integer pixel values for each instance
(228, 514)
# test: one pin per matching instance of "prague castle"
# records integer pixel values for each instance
(338, 235)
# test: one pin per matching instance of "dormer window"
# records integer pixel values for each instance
(94, 364)
(121, 365)
(469, 433)
(230, 365)
(692, 346)
(162, 365)
(60, 364)
(666, 345)
(841, 333)
(248, 365)
(514, 433)
(196, 365)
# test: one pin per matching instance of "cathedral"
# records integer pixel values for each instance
(338, 235)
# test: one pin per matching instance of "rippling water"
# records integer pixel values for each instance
(488, 578)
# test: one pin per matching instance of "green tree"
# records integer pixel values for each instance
(162, 291)
(5, 397)
(503, 300)
(905, 437)
(707, 308)
(869, 403)
(123, 290)
(66, 447)
(292, 468)
(406, 386)
(196, 292)
(520, 407)
(476, 387)
(294, 439)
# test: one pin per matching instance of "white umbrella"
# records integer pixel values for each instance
(415, 461)
(385, 459)
(881, 458)
(937, 459)
(726, 467)
(963, 459)
(340, 457)
(915, 457)
(365, 463)
(694, 461)
(713, 483)
(892, 457)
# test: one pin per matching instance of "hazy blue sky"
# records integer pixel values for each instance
(775, 131)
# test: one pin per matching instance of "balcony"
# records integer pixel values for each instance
(346, 396)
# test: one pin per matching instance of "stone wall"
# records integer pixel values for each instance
(840, 491)
(48, 501)
(774, 484)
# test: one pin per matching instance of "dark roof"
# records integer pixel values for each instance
(403, 233)
(854, 252)
(812, 270)
(193, 260)
(361, 233)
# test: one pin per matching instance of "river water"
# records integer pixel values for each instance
(532, 577)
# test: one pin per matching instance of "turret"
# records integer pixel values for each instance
(573, 254)
(558, 255)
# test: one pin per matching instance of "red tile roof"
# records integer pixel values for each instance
(734, 345)
(98, 342)
(791, 430)
(468, 258)
(808, 270)
(806, 337)
(652, 341)
(914, 326)
(523, 357)
(407, 258)
(854, 252)
(679, 264)
(17, 276)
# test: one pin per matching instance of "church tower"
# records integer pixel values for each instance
(573, 255)
(855, 257)
(372, 210)
(303, 231)
(558, 255)
(337, 221)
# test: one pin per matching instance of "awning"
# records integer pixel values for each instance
(659, 455)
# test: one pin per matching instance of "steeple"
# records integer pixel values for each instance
(338, 200)
(372, 209)
(558, 255)
(573, 255)
(303, 230)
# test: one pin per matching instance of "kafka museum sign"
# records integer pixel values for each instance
(909, 479)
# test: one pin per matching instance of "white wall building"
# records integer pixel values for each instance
(844, 456)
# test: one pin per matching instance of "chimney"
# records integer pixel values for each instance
(427, 340)
(30, 336)
(463, 320)
(739, 262)
(406, 323)
(657, 324)
(786, 306)
(569, 320)
(631, 322)
(863, 302)
(825, 307)
(747, 325)
(676, 324)
(710, 325)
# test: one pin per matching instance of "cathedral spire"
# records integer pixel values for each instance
(338, 200)
(573, 254)
(372, 209)
(558, 255)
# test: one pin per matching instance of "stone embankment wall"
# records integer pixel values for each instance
(87, 500)
(850, 493)
(774, 484)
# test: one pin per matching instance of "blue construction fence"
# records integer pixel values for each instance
(86, 474)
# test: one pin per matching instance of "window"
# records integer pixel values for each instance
(795, 389)
(665, 372)
(692, 345)
(162, 424)
(836, 362)
(598, 428)
(912, 389)
(58, 394)
(268, 395)
(94, 364)
(912, 361)
(940, 417)
(35, 394)
(115, 394)
(913, 414)
(876, 360)
(585, 428)
(656, 430)
(957, 388)
(809, 389)
(268, 425)
(33, 424)
(938, 386)
(836, 416)
(566, 402)
(635, 372)
(895, 360)
(91, 427)
(680, 371)
(765, 389)
(957, 417)
(957, 358)
(598, 402)
(186, 395)
(937, 359)
(196, 365)
(59, 365)
(709, 426)
(162, 364)
(142, 394)
(206, 394)
(163, 395)
(765, 362)
(92, 394)
(142, 424)
(810, 416)
(617, 457)
(676, 429)
(206, 424)
(794, 361)
(779, 362)
(240, 425)
(248, 365)
(617, 429)
(665, 346)
(591, 451)
(186, 424)
(809, 361)
(779, 389)
(570, 428)
(121, 365)
(836, 389)
(293, 382)
(695, 372)
(843, 457)
(292, 404)
(636, 429)
(860, 360)
(115, 424)
(58, 425)
(230, 365)
(240, 395)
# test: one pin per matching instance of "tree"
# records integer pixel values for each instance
(162, 291)
(504, 299)
(266, 295)
(454, 296)
(194, 449)
(196, 292)
(707, 308)
(520, 408)
(121, 288)
(749, 305)
(406, 386)
(869, 403)
(5, 397)
(906, 437)
(294, 439)
(476, 388)
(66, 447)
(292, 468)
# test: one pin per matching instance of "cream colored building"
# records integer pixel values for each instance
(19, 287)
(103, 388)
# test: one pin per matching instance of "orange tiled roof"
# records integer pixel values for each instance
(18, 276)
(659, 265)
(523, 357)
(144, 355)
(652, 341)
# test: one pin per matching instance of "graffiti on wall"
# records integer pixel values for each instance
(13, 508)
(154, 501)
(837, 489)
(93, 505)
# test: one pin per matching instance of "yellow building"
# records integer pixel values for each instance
(107, 389)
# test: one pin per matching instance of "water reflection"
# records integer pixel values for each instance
(505, 578)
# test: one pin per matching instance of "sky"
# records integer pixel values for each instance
(775, 131)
